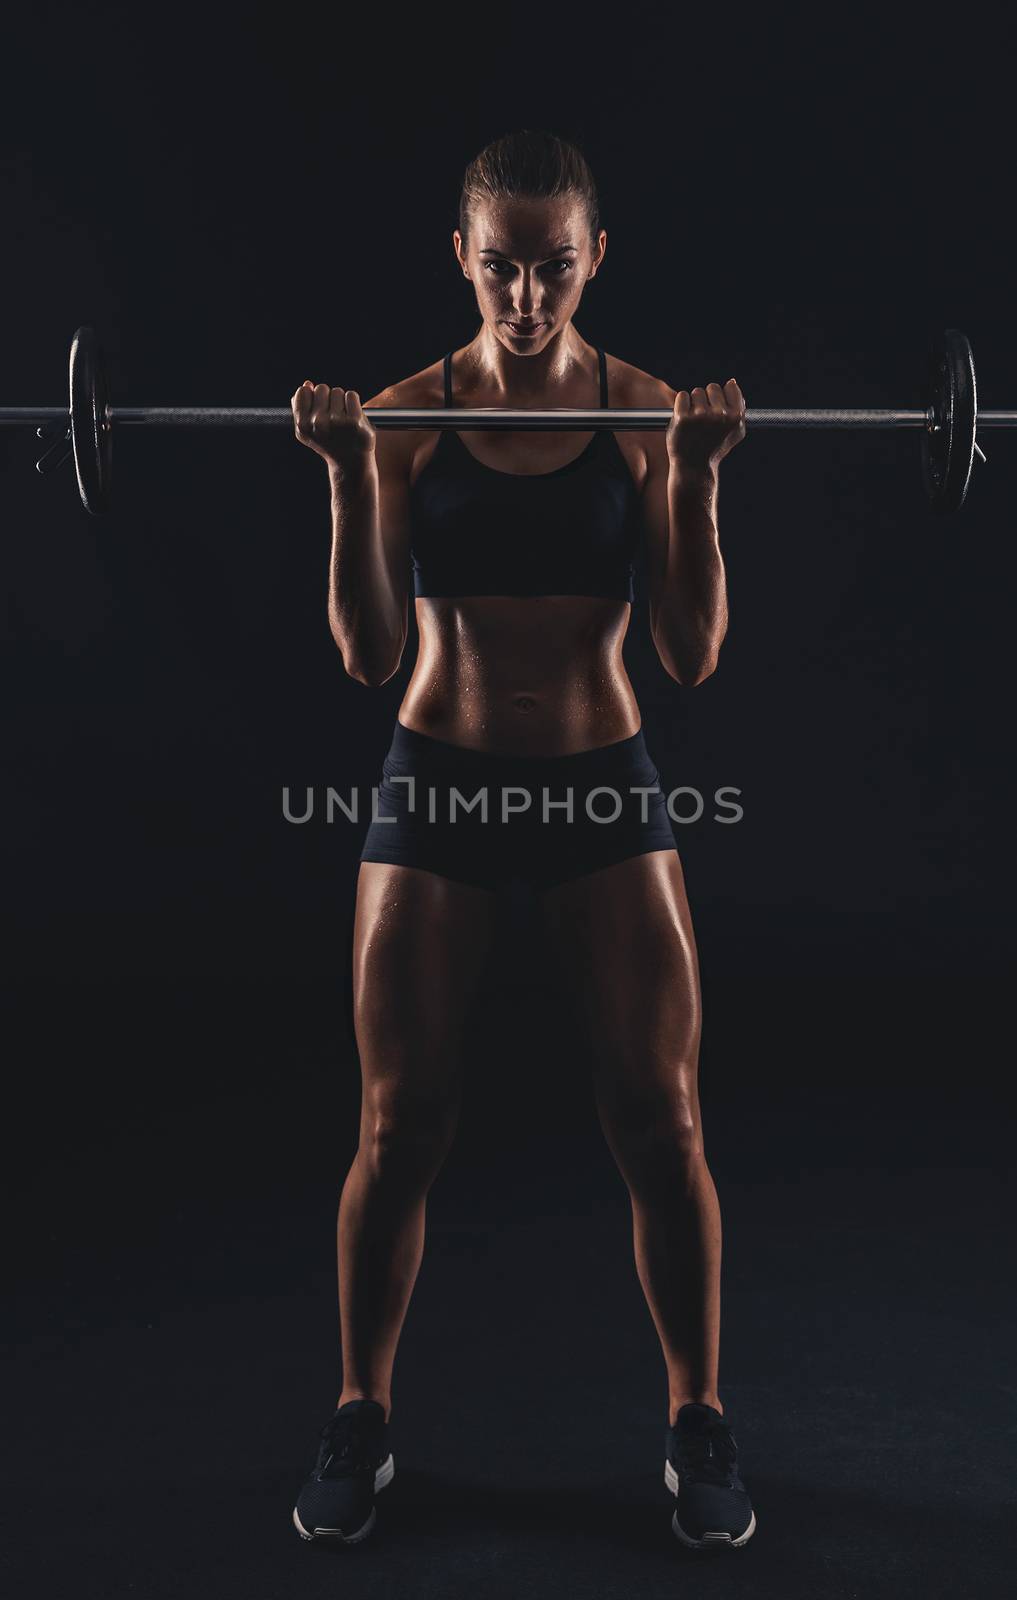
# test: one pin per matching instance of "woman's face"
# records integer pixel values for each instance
(528, 261)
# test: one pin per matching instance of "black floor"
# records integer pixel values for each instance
(175, 1326)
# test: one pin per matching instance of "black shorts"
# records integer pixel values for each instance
(491, 820)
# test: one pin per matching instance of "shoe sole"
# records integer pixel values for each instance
(382, 1476)
(713, 1539)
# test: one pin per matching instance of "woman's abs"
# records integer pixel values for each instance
(522, 676)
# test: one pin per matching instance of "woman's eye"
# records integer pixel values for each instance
(496, 266)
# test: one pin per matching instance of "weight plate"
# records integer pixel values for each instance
(91, 428)
(948, 443)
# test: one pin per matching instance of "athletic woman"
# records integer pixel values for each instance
(521, 548)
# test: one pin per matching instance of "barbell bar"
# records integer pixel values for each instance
(948, 420)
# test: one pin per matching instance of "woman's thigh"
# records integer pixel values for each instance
(420, 945)
(622, 939)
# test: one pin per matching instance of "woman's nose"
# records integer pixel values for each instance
(524, 300)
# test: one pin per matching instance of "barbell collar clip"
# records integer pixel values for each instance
(59, 451)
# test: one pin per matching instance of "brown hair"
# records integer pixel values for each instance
(528, 164)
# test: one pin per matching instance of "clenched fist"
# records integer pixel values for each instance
(706, 425)
(332, 423)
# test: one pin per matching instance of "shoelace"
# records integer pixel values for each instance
(340, 1446)
(706, 1457)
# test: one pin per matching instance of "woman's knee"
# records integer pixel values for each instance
(407, 1134)
(654, 1135)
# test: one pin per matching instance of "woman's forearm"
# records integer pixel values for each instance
(689, 620)
(364, 612)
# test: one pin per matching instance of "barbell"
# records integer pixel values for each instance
(948, 419)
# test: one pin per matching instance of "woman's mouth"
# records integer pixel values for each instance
(525, 330)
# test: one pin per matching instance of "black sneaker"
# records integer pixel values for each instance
(337, 1501)
(712, 1504)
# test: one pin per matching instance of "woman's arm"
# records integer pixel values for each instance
(368, 583)
(368, 578)
(687, 581)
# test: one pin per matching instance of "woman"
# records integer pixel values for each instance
(521, 546)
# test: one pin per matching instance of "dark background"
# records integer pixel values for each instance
(238, 200)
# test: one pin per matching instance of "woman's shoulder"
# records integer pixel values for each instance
(424, 388)
(630, 386)
(397, 448)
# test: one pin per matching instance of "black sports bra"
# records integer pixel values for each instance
(477, 530)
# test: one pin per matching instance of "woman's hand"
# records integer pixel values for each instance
(332, 423)
(707, 425)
